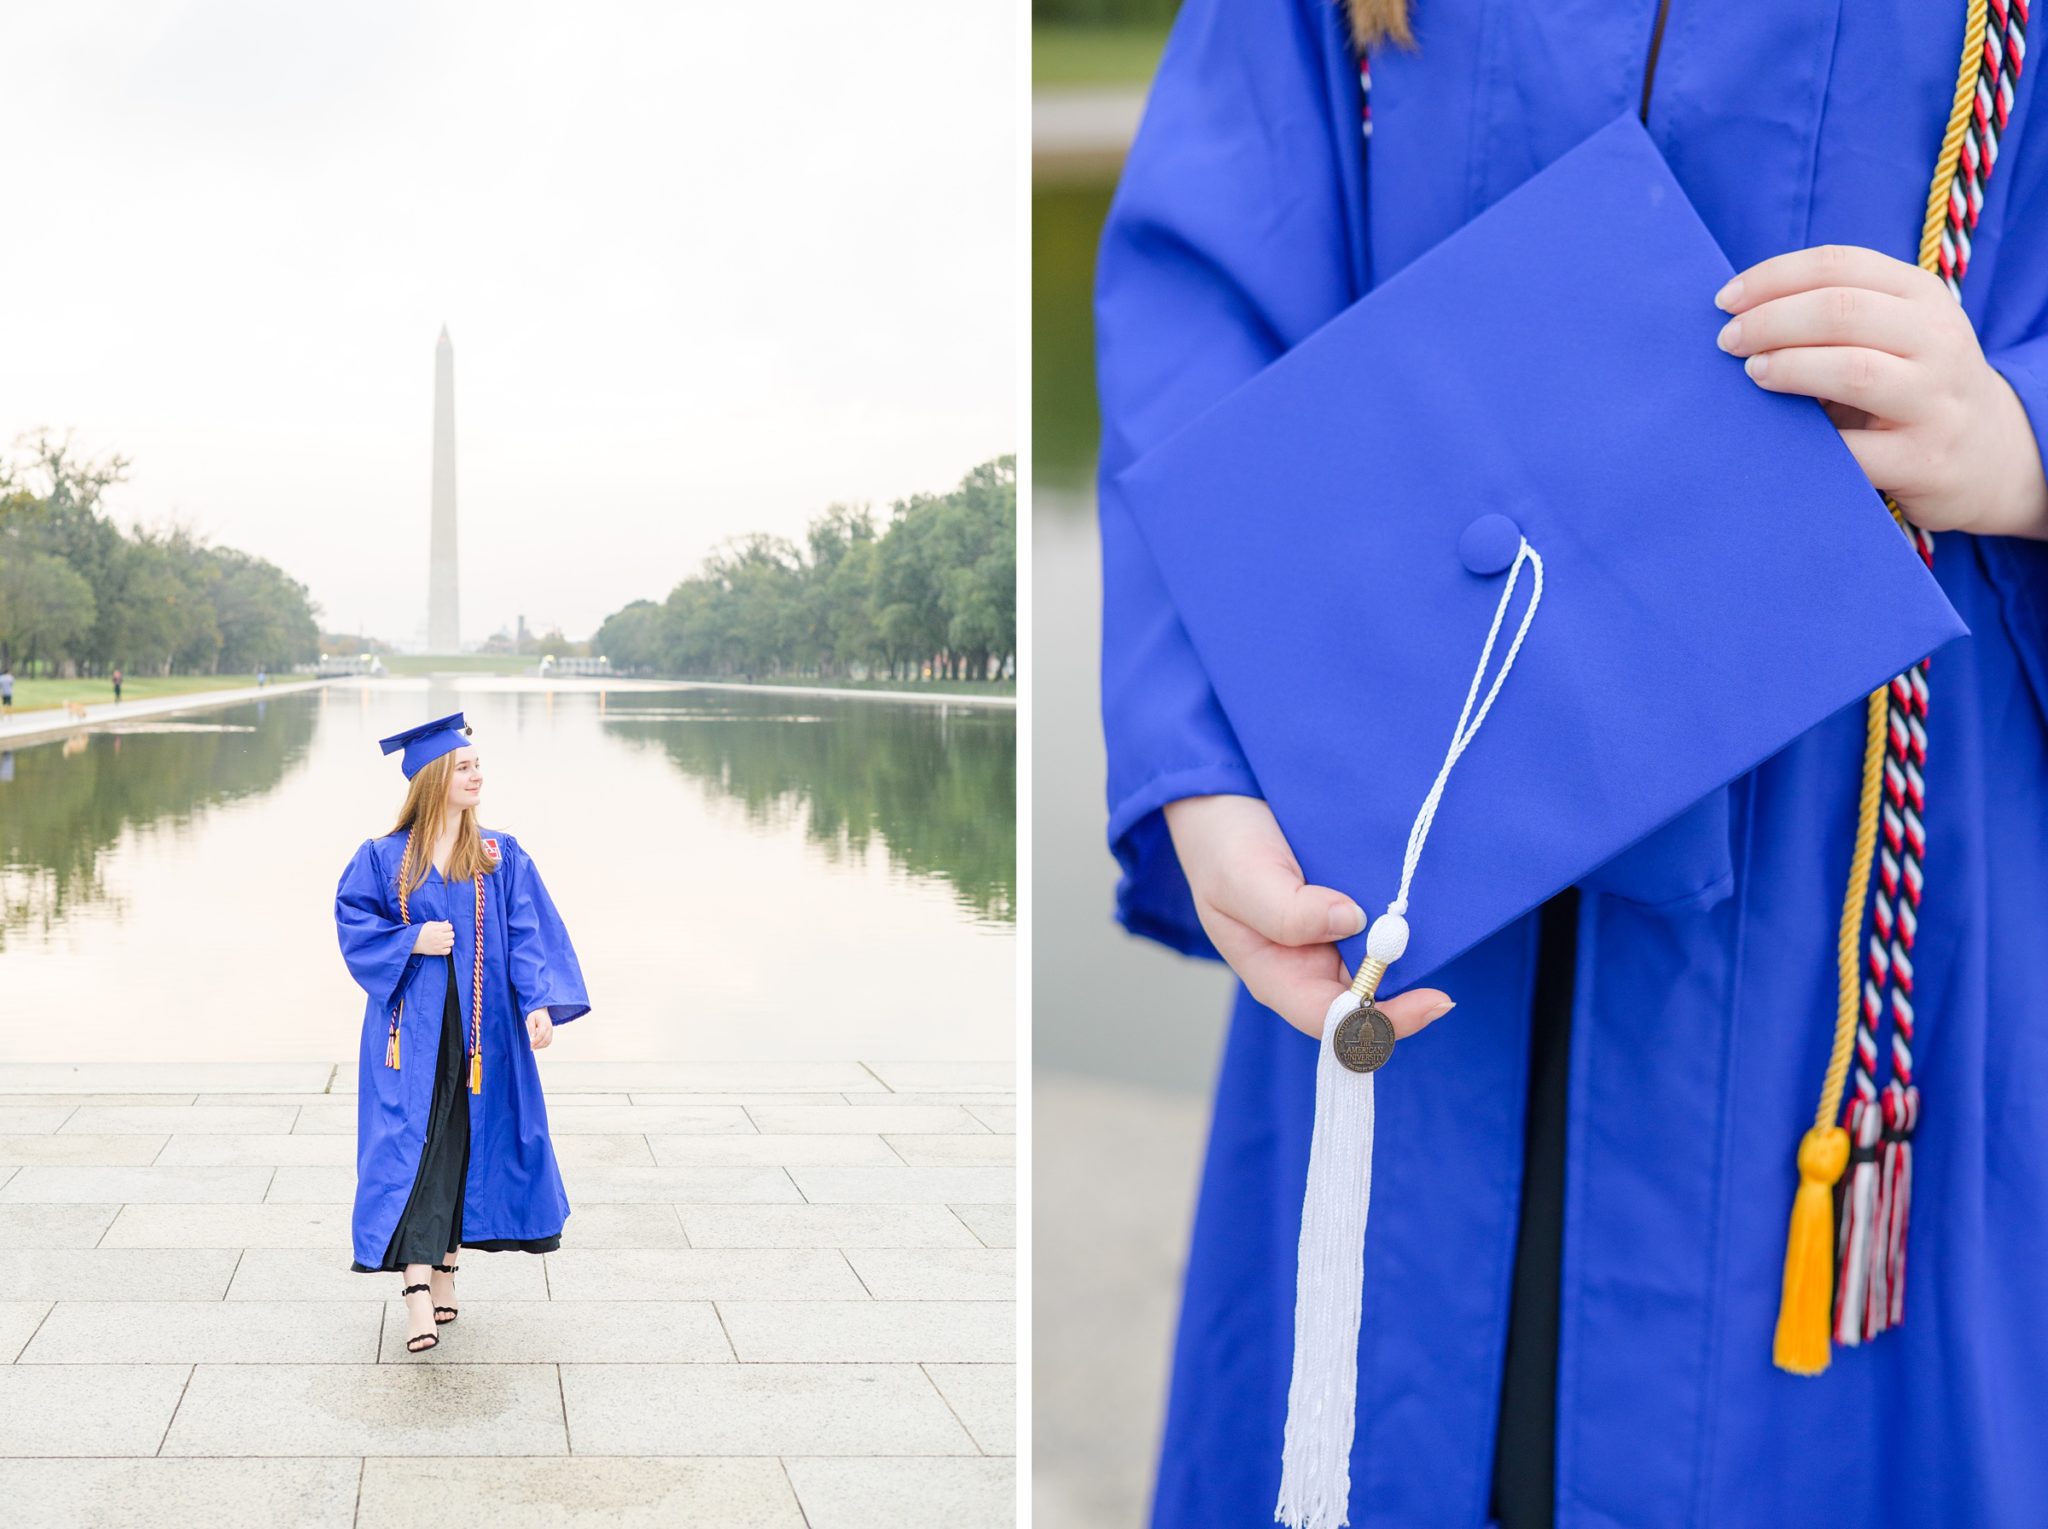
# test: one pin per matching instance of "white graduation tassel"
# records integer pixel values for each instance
(1329, 1281)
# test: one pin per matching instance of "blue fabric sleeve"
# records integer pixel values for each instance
(2018, 566)
(1235, 232)
(377, 947)
(545, 972)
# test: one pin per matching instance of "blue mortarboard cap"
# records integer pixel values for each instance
(428, 741)
(1720, 575)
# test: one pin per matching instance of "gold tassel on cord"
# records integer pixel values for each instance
(1803, 1341)
(1807, 1305)
(476, 1072)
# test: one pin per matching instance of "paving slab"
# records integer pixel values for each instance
(829, 1118)
(31, 1119)
(706, 1077)
(619, 1151)
(275, 1149)
(164, 1077)
(701, 1274)
(943, 1077)
(823, 1226)
(745, 1100)
(548, 1494)
(87, 1409)
(925, 1098)
(949, 1151)
(325, 1227)
(572, 1119)
(550, 1332)
(185, 1494)
(984, 1397)
(117, 1274)
(323, 1274)
(767, 1151)
(63, 1147)
(62, 1184)
(55, 1226)
(207, 1332)
(837, 1332)
(906, 1494)
(898, 1186)
(758, 1409)
(164, 1119)
(995, 1225)
(18, 1322)
(368, 1409)
(936, 1274)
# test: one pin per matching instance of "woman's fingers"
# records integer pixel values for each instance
(1415, 1009)
(1825, 265)
(1277, 903)
(1829, 316)
(1870, 380)
(1306, 1004)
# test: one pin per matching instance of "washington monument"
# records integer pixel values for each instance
(444, 625)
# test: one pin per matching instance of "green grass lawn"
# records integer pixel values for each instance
(39, 695)
(1072, 57)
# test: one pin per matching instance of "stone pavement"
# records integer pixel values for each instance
(784, 1297)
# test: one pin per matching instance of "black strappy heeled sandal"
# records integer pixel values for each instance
(424, 1341)
(451, 1310)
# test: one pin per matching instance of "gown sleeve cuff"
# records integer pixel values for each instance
(1152, 895)
(2018, 566)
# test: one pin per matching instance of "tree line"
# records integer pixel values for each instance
(931, 593)
(80, 596)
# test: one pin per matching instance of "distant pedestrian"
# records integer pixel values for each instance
(262, 679)
(6, 690)
(117, 687)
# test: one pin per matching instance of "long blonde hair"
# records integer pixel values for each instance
(1374, 21)
(423, 817)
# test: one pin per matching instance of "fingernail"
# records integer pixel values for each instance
(1757, 365)
(1729, 296)
(1346, 919)
(1730, 333)
(1441, 1009)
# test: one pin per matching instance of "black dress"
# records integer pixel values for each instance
(1524, 1465)
(431, 1224)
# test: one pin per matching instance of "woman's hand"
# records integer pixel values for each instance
(1276, 931)
(436, 938)
(1893, 358)
(540, 1027)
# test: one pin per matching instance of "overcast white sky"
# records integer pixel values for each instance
(707, 268)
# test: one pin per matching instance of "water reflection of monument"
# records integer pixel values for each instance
(444, 625)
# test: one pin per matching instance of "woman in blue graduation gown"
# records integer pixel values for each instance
(1696, 974)
(467, 967)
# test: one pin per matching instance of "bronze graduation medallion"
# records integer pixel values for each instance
(1364, 1039)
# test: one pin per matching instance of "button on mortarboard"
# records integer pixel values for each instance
(1721, 576)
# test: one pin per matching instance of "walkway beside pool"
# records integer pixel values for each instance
(785, 1297)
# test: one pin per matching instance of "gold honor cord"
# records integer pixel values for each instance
(1802, 1344)
(476, 981)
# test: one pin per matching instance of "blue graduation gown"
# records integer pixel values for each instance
(1705, 979)
(514, 1188)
